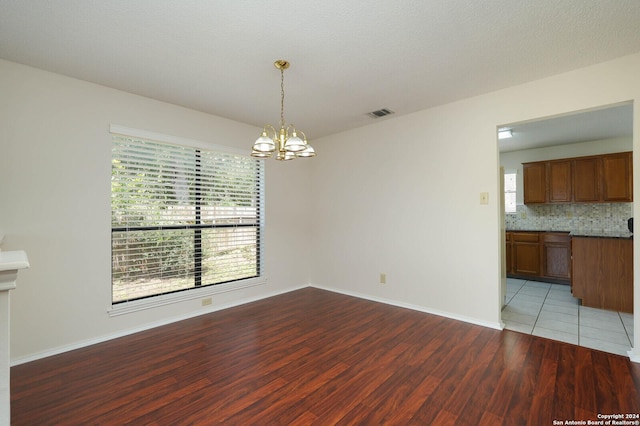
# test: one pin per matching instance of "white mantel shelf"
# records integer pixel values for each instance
(10, 263)
(13, 260)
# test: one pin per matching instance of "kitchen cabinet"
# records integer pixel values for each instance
(559, 181)
(602, 272)
(526, 253)
(595, 179)
(535, 182)
(544, 256)
(586, 180)
(508, 251)
(617, 177)
(556, 255)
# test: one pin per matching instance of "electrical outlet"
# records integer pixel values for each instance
(383, 278)
(206, 301)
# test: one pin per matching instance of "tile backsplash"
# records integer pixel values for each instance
(606, 217)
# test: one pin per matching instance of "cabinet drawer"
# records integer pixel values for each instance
(525, 237)
(560, 237)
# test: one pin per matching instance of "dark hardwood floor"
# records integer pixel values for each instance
(316, 357)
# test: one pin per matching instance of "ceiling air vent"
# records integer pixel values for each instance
(379, 113)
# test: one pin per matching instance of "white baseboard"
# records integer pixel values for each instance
(634, 355)
(498, 325)
(84, 343)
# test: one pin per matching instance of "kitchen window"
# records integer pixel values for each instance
(182, 218)
(510, 192)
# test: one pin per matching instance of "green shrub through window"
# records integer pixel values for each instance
(182, 218)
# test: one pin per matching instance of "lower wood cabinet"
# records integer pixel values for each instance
(556, 255)
(526, 253)
(539, 255)
(599, 270)
(602, 271)
(508, 252)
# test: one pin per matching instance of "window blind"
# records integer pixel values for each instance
(182, 218)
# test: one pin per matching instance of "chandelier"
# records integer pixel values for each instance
(285, 143)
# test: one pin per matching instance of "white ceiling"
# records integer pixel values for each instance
(606, 123)
(348, 57)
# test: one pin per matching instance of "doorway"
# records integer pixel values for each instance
(543, 307)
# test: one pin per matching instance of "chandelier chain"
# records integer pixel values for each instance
(281, 97)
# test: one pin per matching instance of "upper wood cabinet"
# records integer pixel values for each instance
(535, 182)
(594, 179)
(586, 180)
(559, 181)
(617, 182)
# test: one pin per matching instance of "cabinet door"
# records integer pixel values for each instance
(534, 176)
(603, 273)
(617, 177)
(556, 256)
(586, 179)
(559, 173)
(508, 250)
(526, 254)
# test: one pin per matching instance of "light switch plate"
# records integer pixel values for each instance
(484, 198)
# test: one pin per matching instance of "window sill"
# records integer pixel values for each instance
(169, 299)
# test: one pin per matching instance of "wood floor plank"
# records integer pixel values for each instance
(564, 395)
(622, 373)
(585, 396)
(456, 352)
(543, 399)
(488, 343)
(410, 406)
(316, 357)
(488, 390)
(605, 390)
(527, 379)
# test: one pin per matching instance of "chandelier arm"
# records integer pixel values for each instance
(270, 128)
(304, 137)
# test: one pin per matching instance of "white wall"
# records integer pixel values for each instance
(55, 160)
(513, 160)
(402, 196)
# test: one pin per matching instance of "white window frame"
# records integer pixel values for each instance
(197, 292)
(507, 191)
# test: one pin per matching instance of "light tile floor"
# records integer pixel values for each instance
(549, 310)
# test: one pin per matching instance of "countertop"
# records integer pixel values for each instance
(538, 230)
(584, 233)
(602, 234)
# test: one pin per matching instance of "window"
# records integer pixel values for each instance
(182, 218)
(510, 192)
